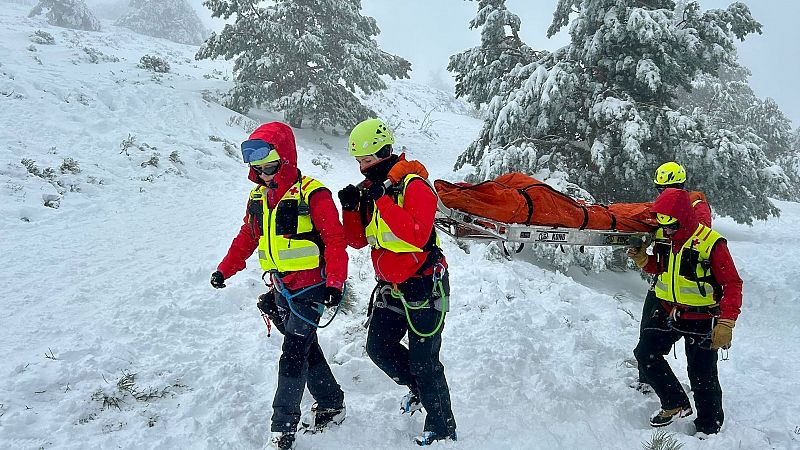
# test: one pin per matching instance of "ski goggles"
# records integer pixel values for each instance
(268, 169)
(256, 152)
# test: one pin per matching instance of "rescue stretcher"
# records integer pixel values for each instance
(515, 208)
(462, 225)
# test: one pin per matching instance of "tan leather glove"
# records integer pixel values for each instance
(403, 168)
(722, 334)
(638, 255)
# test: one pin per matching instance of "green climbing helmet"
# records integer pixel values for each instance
(369, 137)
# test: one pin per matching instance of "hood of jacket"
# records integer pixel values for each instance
(676, 203)
(281, 136)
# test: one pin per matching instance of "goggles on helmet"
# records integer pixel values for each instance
(257, 152)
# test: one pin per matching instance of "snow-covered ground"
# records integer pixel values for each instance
(111, 336)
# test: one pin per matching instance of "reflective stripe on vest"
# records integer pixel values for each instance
(673, 287)
(378, 233)
(282, 252)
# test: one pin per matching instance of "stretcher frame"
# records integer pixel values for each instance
(462, 225)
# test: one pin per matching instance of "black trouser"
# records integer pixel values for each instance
(417, 366)
(302, 361)
(656, 340)
(651, 303)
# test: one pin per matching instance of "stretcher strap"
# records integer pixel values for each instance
(585, 217)
(529, 201)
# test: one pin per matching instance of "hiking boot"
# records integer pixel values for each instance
(429, 437)
(282, 441)
(318, 419)
(410, 403)
(664, 417)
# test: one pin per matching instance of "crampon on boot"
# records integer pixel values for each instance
(319, 419)
(410, 403)
(282, 441)
(429, 437)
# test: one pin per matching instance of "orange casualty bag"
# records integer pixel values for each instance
(518, 198)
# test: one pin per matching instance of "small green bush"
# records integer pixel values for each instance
(69, 166)
(42, 37)
(154, 64)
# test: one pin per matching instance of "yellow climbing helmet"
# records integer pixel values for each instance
(369, 137)
(664, 219)
(670, 173)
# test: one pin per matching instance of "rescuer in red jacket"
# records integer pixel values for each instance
(700, 297)
(392, 210)
(293, 222)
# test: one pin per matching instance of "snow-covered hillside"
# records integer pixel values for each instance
(112, 337)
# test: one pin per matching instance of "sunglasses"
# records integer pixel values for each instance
(269, 169)
(255, 150)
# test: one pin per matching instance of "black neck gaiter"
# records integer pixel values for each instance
(380, 171)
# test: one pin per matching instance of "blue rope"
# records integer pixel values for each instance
(289, 296)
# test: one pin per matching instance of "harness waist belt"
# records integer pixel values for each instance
(710, 309)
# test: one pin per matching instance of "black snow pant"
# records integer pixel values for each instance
(302, 362)
(659, 335)
(649, 308)
(417, 366)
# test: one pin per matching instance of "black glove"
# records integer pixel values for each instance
(349, 196)
(375, 191)
(333, 297)
(266, 303)
(218, 280)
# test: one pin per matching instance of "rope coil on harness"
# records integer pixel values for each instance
(278, 285)
(438, 275)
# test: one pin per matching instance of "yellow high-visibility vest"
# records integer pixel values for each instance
(380, 235)
(288, 251)
(697, 289)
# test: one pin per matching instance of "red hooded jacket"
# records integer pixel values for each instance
(324, 215)
(676, 203)
(413, 223)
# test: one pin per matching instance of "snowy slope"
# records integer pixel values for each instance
(106, 298)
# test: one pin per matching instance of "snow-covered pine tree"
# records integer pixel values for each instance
(480, 71)
(67, 13)
(307, 58)
(174, 20)
(730, 105)
(603, 109)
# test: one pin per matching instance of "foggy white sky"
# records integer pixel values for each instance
(427, 32)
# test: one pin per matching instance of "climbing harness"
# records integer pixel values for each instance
(438, 288)
(278, 285)
(703, 339)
